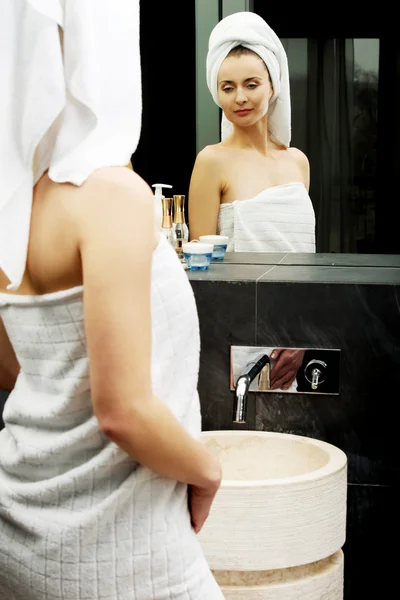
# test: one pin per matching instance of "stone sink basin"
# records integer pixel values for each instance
(322, 580)
(281, 504)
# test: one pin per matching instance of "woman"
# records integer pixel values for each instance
(251, 186)
(100, 442)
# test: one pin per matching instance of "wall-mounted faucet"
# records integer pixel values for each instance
(252, 369)
(319, 373)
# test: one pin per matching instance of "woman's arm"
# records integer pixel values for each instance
(9, 367)
(204, 195)
(117, 240)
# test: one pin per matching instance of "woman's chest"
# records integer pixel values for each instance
(244, 178)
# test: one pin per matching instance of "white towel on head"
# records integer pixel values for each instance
(70, 108)
(251, 31)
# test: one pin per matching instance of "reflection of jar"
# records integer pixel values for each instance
(197, 255)
(220, 243)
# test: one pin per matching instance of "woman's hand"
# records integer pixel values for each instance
(201, 499)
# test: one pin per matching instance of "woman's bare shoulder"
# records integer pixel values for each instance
(110, 189)
(113, 184)
(299, 156)
(214, 158)
(210, 154)
(120, 178)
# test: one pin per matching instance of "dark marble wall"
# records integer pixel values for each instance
(356, 309)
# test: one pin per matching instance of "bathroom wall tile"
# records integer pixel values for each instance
(363, 321)
(370, 558)
(227, 317)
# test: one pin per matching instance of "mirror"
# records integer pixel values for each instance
(353, 164)
(354, 212)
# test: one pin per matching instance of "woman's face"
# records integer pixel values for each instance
(244, 89)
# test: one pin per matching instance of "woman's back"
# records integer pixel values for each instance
(98, 522)
(99, 337)
(53, 259)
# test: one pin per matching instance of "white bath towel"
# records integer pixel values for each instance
(250, 30)
(70, 102)
(279, 219)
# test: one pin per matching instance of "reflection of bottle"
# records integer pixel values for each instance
(158, 196)
(180, 228)
(167, 225)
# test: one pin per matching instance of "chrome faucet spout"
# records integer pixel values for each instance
(252, 369)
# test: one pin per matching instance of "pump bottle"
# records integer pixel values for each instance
(158, 198)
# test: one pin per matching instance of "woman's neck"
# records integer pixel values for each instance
(256, 137)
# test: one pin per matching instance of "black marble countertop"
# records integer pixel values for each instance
(318, 259)
(379, 269)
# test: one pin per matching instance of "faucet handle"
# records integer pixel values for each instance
(315, 372)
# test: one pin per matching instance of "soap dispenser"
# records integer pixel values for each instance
(167, 225)
(158, 197)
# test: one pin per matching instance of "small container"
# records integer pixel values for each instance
(197, 255)
(220, 244)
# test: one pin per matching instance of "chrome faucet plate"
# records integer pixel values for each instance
(319, 371)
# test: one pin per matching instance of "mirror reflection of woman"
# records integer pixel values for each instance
(251, 186)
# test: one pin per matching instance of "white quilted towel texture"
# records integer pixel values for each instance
(279, 219)
(79, 519)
